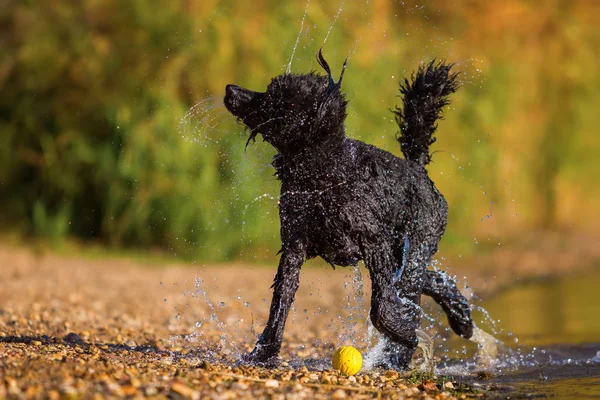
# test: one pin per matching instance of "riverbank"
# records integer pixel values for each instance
(73, 326)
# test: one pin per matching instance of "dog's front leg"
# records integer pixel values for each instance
(284, 290)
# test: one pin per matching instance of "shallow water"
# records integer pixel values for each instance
(552, 332)
(546, 334)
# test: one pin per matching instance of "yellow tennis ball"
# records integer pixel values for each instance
(347, 359)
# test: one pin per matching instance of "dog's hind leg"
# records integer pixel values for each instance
(442, 288)
(395, 302)
(286, 283)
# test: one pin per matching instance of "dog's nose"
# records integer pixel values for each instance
(237, 97)
(232, 98)
(231, 89)
(239, 93)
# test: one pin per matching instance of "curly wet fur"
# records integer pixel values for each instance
(346, 201)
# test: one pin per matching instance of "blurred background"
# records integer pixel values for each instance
(112, 130)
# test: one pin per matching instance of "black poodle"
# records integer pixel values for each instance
(346, 201)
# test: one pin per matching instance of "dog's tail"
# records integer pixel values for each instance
(425, 95)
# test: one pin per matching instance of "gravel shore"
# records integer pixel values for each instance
(80, 328)
(72, 327)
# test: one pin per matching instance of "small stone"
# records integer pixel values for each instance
(68, 390)
(239, 386)
(286, 377)
(272, 383)
(207, 366)
(129, 390)
(150, 391)
(36, 343)
(449, 385)
(390, 374)
(136, 383)
(30, 392)
(228, 395)
(184, 390)
(339, 394)
(73, 338)
(412, 391)
(429, 385)
(11, 382)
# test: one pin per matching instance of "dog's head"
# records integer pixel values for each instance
(298, 111)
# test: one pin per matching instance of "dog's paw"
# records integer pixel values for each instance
(261, 357)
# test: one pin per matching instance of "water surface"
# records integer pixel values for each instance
(552, 330)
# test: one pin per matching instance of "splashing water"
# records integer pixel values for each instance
(226, 338)
(487, 348)
(375, 355)
(226, 345)
(289, 67)
(490, 322)
(426, 346)
(202, 120)
(355, 308)
(334, 21)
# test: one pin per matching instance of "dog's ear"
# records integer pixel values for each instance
(325, 66)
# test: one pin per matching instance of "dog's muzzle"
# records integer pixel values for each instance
(237, 99)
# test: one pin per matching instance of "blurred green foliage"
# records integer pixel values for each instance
(111, 130)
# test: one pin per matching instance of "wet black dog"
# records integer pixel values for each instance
(346, 201)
